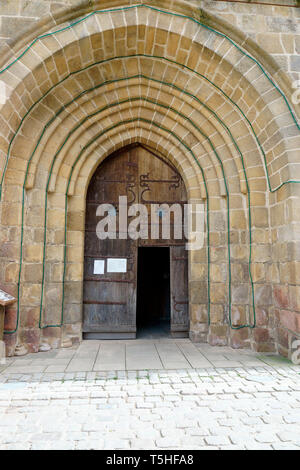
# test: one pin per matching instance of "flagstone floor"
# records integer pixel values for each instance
(141, 354)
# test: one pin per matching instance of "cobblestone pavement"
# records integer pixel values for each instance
(205, 408)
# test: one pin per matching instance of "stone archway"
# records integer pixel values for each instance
(199, 98)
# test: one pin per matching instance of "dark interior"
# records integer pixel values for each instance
(153, 292)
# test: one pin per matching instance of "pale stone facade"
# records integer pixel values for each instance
(208, 85)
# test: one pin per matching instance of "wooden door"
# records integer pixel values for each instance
(179, 291)
(109, 298)
(160, 183)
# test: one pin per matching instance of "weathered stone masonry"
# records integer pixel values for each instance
(209, 86)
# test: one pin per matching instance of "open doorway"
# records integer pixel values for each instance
(153, 292)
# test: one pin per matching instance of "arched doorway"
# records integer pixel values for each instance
(191, 88)
(135, 275)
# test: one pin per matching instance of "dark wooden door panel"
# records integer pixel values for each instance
(179, 291)
(160, 183)
(110, 307)
(109, 301)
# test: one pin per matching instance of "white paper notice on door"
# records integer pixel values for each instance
(117, 265)
(99, 266)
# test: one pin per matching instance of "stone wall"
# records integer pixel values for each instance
(202, 87)
(273, 25)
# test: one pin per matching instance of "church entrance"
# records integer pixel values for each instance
(135, 272)
(153, 292)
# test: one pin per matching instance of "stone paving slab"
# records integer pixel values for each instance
(95, 356)
(194, 355)
(171, 356)
(143, 356)
(111, 356)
